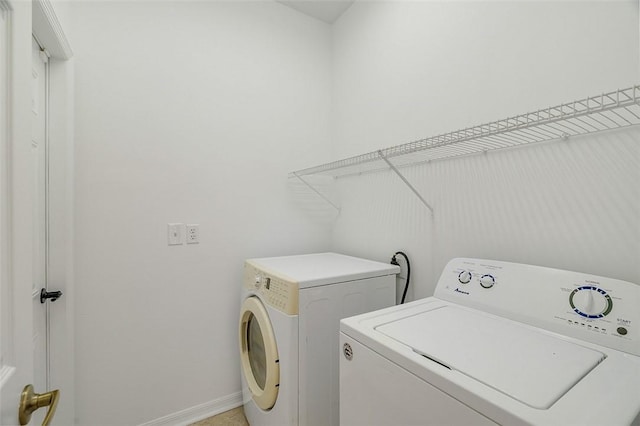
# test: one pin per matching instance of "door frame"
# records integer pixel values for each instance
(47, 29)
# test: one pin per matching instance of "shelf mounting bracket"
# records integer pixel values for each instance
(320, 194)
(400, 175)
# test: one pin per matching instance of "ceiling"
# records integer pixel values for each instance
(325, 10)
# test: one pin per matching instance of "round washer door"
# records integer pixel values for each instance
(259, 353)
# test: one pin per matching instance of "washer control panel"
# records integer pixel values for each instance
(600, 310)
(590, 302)
(276, 291)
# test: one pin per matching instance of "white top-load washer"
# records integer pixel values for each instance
(499, 343)
(289, 327)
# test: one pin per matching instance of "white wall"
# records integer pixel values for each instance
(407, 70)
(193, 113)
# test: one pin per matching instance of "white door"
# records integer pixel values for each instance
(15, 300)
(22, 240)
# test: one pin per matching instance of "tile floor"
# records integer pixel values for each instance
(233, 417)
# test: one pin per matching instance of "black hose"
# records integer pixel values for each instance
(394, 261)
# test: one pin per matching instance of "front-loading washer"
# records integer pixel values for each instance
(498, 343)
(289, 327)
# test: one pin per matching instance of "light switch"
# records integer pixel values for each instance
(175, 233)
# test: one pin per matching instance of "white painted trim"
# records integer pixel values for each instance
(199, 412)
(5, 6)
(61, 231)
(6, 371)
(48, 31)
(6, 315)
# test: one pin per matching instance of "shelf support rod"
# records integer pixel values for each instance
(320, 194)
(395, 169)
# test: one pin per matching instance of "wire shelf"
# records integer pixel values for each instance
(599, 113)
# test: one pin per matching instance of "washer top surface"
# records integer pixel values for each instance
(532, 367)
(311, 270)
(518, 343)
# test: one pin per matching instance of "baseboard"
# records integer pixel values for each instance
(199, 412)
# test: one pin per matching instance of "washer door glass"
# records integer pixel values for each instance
(259, 353)
(255, 351)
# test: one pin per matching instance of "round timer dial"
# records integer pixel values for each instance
(464, 277)
(487, 281)
(590, 302)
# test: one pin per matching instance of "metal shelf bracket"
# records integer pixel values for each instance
(320, 194)
(406, 182)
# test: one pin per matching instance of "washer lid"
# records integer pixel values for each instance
(530, 366)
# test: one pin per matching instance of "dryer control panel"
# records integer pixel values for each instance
(276, 291)
(600, 310)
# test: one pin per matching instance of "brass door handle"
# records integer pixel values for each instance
(31, 401)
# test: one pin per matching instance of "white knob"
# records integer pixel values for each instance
(464, 277)
(258, 280)
(590, 302)
(487, 281)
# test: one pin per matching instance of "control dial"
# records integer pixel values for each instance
(257, 281)
(464, 277)
(487, 281)
(590, 302)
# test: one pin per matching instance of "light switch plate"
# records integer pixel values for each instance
(175, 233)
